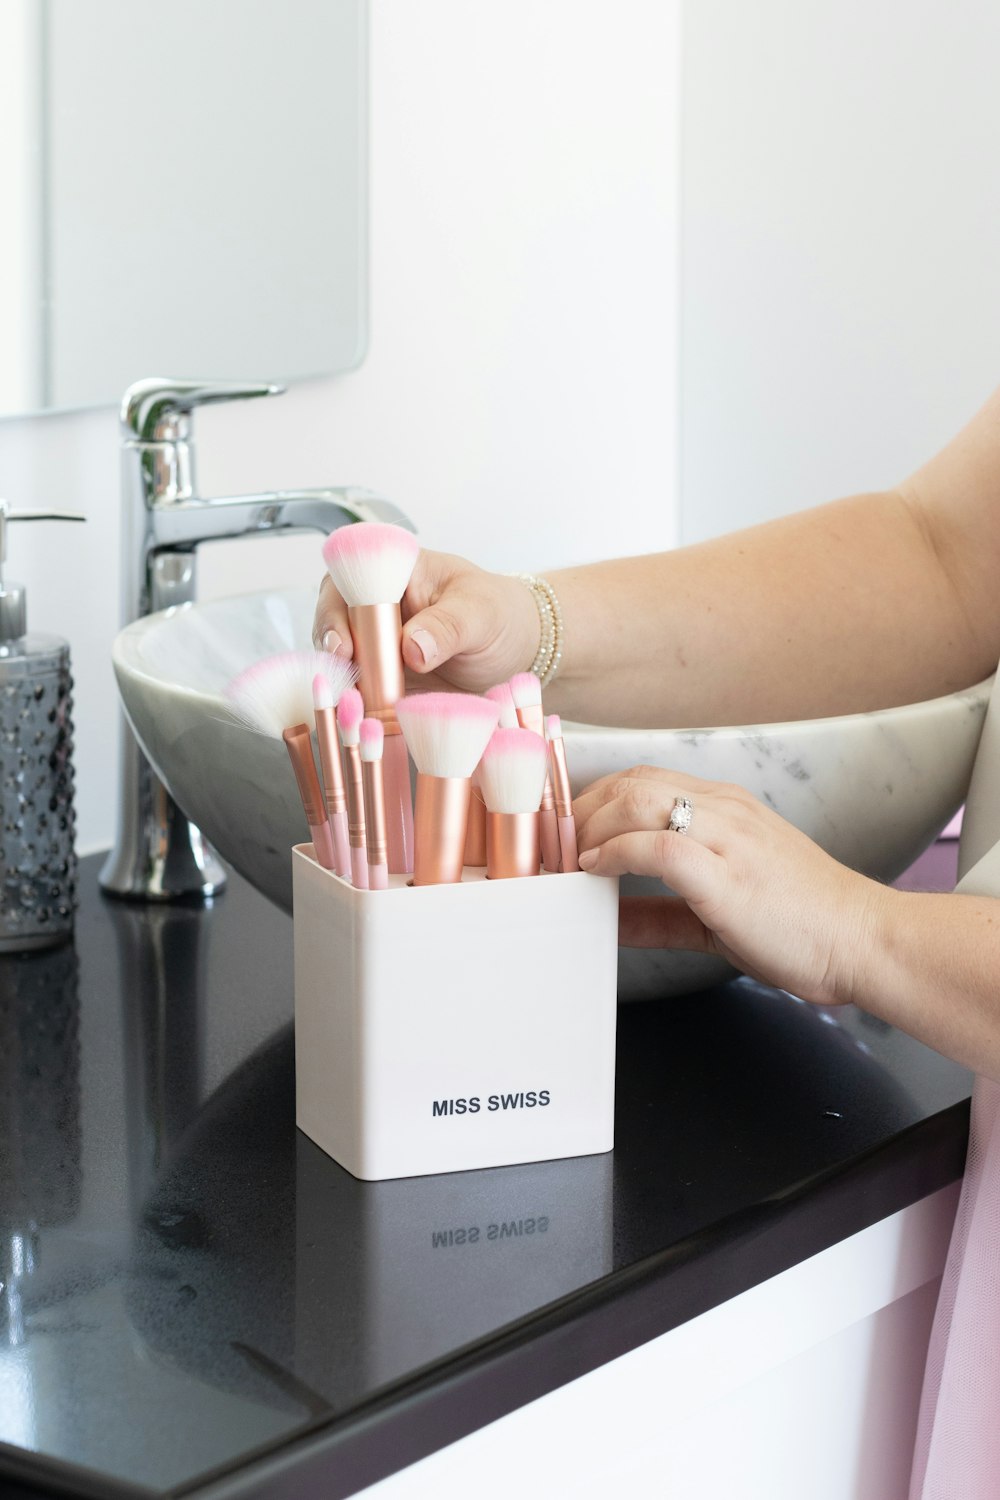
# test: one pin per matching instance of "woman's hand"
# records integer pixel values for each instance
(462, 627)
(752, 888)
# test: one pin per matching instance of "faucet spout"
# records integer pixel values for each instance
(159, 855)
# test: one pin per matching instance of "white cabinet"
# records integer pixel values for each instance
(804, 1386)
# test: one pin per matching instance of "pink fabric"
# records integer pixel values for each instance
(957, 1454)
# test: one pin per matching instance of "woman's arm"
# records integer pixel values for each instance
(933, 969)
(864, 603)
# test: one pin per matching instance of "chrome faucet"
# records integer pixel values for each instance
(159, 855)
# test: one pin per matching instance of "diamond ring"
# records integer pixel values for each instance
(680, 818)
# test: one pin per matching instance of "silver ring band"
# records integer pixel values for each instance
(680, 818)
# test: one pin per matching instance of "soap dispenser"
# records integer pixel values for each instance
(37, 825)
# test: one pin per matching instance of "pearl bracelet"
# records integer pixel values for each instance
(549, 654)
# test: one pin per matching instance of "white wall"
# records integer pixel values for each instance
(519, 396)
(841, 238)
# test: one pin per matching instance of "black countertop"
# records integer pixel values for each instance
(195, 1300)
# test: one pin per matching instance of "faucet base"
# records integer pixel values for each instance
(159, 856)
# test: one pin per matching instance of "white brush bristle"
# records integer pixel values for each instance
(501, 696)
(526, 690)
(372, 737)
(553, 727)
(512, 771)
(277, 692)
(446, 733)
(371, 561)
(350, 712)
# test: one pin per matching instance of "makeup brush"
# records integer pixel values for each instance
(511, 773)
(526, 690)
(562, 795)
(502, 696)
(370, 564)
(334, 790)
(372, 738)
(475, 837)
(446, 734)
(274, 698)
(350, 712)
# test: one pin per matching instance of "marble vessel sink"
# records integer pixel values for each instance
(873, 789)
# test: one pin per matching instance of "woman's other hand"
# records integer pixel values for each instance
(462, 626)
(750, 887)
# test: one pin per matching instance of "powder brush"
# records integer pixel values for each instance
(446, 734)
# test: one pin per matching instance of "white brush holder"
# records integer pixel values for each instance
(449, 1027)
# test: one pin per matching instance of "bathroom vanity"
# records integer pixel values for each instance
(197, 1301)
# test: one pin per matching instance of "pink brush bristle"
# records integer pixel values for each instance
(278, 692)
(553, 727)
(371, 561)
(512, 771)
(525, 689)
(350, 712)
(501, 695)
(372, 738)
(446, 733)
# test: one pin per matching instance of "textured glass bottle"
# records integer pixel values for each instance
(37, 825)
(37, 852)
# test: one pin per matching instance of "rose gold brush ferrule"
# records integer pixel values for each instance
(375, 839)
(377, 631)
(511, 845)
(356, 815)
(475, 835)
(440, 820)
(298, 742)
(564, 808)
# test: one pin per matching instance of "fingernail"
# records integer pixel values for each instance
(588, 859)
(331, 641)
(426, 645)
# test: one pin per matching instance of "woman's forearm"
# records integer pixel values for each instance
(933, 969)
(835, 610)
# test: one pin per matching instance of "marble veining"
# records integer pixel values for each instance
(874, 788)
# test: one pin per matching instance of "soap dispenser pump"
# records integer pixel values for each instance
(37, 824)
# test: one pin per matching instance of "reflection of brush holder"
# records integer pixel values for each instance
(427, 1264)
(450, 1027)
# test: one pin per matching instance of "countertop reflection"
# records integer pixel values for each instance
(192, 1292)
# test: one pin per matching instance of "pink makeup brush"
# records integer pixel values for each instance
(334, 790)
(563, 796)
(512, 772)
(502, 696)
(475, 838)
(371, 563)
(372, 739)
(274, 698)
(350, 712)
(526, 690)
(446, 734)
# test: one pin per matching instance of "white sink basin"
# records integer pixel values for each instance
(873, 789)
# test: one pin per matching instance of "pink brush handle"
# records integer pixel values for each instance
(398, 805)
(323, 844)
(550, 839)
(567, 845)
(359, 869)
(341, 843)
(378, 877)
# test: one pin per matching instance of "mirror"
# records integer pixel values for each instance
(186, 193)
